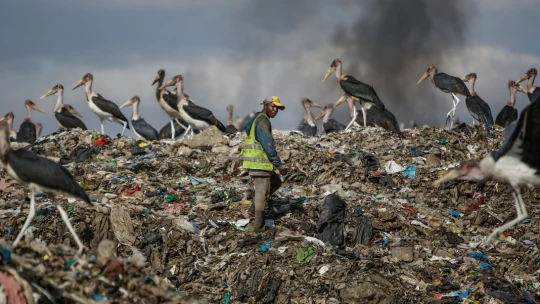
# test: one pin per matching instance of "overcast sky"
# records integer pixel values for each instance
(241, 51)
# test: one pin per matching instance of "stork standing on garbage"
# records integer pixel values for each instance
(261, 158)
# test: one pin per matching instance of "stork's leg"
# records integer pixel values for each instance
(364, 115)
(70, 228)
(102, 128)
(181, 124)
(186, 132)
(353, 119)
(454, 109)
(521, 215)
(124, 129)
(31, 214)
(172, 129)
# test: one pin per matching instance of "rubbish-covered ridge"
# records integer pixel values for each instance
(357, 220)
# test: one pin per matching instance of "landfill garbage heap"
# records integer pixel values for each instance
(357, 220)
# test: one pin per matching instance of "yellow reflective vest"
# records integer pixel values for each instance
(253, 154)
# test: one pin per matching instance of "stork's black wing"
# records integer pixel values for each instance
(203, 114)
(479, 109)
(171, 99)
(506, 116)
(231, 129)
(144, 129)
(27, 132)
(451, 84)
(534, 95)
(44, 172)
(333, 126)
(524, 141)
(109, 107)
(354, 87)
(392, 123)
(68, 120)
(165, 132)
(307, 129)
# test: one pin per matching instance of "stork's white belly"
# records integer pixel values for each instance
(101, 114)
(515, 172)
(194, 123)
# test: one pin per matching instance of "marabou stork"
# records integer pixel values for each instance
(509, 113)
(196, 116)
(103, 108)
(40, 174)
(375, 116)
(354, 87)
(447, 84)
(140, 127)
(231, 128)
(517, 162)
(66, 115)
(9, 117)
(533, 92)
(27, 130)
(330, 125)
(478, 108)
(308, 127)
(169, 103)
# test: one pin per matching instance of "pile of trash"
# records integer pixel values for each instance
(357, 220)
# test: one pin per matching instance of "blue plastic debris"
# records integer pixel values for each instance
(10, 230)
(269, 223)
(265, 247)
(455, 214)
(6, 253)
(527, 297)
(98, 298)
(227, 298)
(410, 172)
(527, 220)
(478, 256)
(485, 266)
(464, 295)
(415, 152)
(385, 241)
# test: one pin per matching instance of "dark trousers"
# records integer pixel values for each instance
(265, 183)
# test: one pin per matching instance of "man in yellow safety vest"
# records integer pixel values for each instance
(260, 157)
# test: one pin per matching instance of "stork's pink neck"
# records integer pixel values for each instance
(29, 111)
(512, 101)
(136, 115)
(88, 88)
(472, 81)
(530, 83)
(339, 71)
(180, 90)
(327, 115)
(229, 117)
(308, 118)
(59, 101)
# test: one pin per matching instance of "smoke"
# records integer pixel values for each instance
(393, 42)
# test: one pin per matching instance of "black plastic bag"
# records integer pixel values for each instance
(330, 226)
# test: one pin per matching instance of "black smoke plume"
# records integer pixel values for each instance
(393, 42)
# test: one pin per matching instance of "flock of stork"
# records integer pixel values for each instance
(516, 163)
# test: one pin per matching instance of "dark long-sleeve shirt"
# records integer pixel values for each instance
(263, 134)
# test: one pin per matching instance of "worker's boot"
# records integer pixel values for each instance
(262, 188)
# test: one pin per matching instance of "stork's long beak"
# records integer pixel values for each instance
(49, 93)
(156, 79)
(520, 88)
(451, 175)
(315, 105)
(465, 79)
(75, 112)
(329, 72)
(424, 76)
(320, 115)
(127, 103)
(78, 84)
(38, 108)
(523, 77)
(169, 83)
(341, 100)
